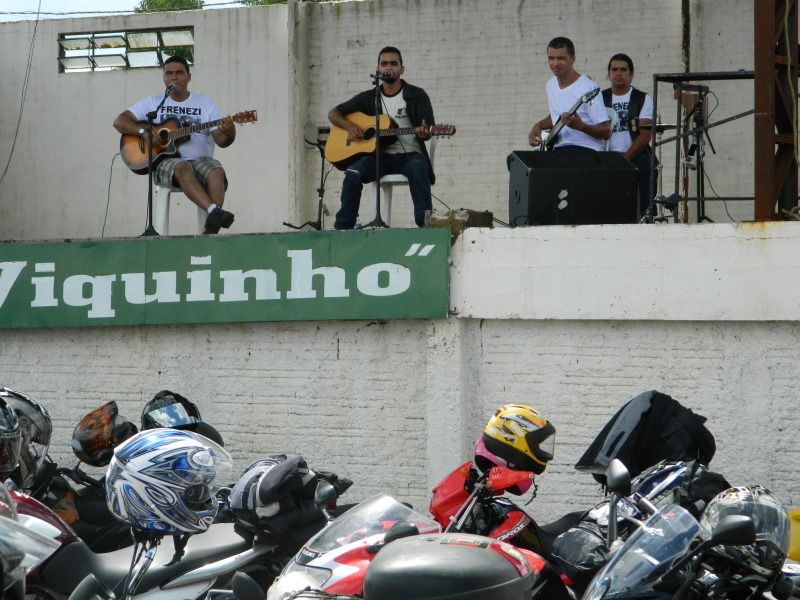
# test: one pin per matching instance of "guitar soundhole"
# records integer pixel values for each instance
(369, 133)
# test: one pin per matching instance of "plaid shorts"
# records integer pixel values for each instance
(201, 167)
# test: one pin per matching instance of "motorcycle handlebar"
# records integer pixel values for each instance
(785, 588)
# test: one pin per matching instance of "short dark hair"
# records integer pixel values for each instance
(390, 49)
(623, 58)
(177, 59)
(562, 42)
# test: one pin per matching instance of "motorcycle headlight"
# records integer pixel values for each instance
(296, 578)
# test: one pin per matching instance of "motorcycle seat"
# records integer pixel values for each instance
(68, 566)
(549, 532)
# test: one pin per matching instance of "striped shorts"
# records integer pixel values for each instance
(165, 170)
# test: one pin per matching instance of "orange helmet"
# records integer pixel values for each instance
(521, 436)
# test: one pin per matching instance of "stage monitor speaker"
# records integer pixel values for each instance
(565, 187)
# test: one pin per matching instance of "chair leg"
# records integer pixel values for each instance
(161, 197)
(202, 215)
(386, 191)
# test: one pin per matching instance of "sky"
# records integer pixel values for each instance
(104, 7)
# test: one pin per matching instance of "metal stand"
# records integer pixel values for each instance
(151, 117)
(377, 221)
(319, 145)
(698, 145)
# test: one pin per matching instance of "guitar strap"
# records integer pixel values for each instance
(635, 105)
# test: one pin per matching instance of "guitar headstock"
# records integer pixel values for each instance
(588, 96)
(246, 116)
(443, 130)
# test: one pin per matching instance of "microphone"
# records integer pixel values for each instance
(170, 87)
(385, 76)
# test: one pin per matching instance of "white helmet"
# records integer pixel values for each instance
(165, 480)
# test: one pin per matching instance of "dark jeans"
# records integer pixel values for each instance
(642, 163)
(413, 165)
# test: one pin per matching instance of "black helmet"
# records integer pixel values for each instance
(168, 409)
(99, 432)
(36, 429)
(10, 438)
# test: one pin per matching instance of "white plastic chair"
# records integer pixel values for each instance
(612, 116)
(161, 197)
(388, 182)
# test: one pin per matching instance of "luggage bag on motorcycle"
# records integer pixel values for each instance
(438, 566)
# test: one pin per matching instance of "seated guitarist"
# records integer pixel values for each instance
(196, 172)
(409, 106)
(589, 126)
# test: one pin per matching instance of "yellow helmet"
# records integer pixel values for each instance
(521, 436)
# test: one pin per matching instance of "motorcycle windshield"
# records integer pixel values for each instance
(369, 518)
(21, 549)
(647, 554)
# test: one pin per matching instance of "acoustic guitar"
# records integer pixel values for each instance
(341, 152)
(167, 137)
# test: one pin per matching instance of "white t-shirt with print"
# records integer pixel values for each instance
(620, 136)
(195, 109)
(395, 107)
(592, 113)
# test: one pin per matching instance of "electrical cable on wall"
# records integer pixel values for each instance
(24, 93)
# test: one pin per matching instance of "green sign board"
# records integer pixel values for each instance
(372, 274)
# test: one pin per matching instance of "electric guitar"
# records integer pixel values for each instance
(551, 138)
(341, 152)
(167, 137)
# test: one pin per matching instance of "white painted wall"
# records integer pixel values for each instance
(61, 182)
(395, 405)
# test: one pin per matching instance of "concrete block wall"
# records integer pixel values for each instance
(397, 405)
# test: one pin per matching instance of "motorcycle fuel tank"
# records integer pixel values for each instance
(449, 565)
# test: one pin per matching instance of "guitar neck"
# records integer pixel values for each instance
(396, 131)
(190, 129)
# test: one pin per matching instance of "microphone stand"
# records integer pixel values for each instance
(377, 221)
(151, 117)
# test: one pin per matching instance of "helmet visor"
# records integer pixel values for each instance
(542, 442)
(167, 413)
(10, 443)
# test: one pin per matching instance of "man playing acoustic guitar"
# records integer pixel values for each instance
(409, 106)
(196, 172)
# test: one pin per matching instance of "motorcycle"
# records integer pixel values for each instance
(666, 558)
(168, 567)
(337, 558)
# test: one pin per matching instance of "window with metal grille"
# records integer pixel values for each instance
(119, 50)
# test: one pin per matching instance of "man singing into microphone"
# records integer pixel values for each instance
(409, 106)
(196, 172)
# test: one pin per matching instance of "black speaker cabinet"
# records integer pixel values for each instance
(566, 187)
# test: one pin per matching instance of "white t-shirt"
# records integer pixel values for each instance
(195, 109)
(592, 113)
(620, 136)
(395, 107)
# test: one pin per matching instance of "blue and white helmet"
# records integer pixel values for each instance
(165, 480)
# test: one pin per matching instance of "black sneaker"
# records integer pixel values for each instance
(217, 219)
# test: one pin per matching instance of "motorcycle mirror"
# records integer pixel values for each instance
(618, 478)
(324, 493)
(734, 530)
(502, 478)
(399, 530)
(245, 587)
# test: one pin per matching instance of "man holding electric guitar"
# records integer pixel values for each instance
(580, 117)
(410, 107)
(194, 170)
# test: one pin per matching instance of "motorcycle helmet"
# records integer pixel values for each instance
(99, 432)
(36, 429)
(767, 554)
(10, 439)
(168, 409)
(485, 460)
(165, 481)
(521, 436)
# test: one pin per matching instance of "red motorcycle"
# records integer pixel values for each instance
(335, 561)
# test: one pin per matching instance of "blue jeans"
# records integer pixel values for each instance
(413, 165)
